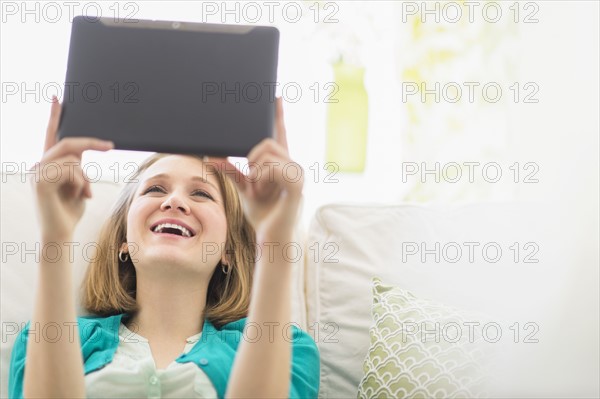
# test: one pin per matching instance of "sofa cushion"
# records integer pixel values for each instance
(415, 248)
(420, 348)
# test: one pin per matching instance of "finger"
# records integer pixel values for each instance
(267, 146)
(64, 174)
(76, 146)
(267, 182)
(55, 111)
(280, 132)
(269, 158)
(87, 189)
(77, 182)
(286, 174)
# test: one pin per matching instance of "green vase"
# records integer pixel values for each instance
(347, 119)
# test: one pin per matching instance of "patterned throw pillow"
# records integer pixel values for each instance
(421, 349)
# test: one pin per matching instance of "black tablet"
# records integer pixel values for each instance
(174, 87)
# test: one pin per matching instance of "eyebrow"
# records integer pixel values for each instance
(195, 178)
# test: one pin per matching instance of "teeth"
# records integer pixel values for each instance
(185, 232)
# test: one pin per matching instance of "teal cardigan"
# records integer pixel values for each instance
(213, 353)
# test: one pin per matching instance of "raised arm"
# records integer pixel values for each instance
(55, 368)
(262, 367)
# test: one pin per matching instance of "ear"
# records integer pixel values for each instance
(124, 248)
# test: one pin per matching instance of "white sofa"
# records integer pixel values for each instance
(344, 247)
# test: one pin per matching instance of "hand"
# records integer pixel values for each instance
(272, 190)
(60, 185)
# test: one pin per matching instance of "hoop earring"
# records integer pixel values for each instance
(223, 269)
(123, 256)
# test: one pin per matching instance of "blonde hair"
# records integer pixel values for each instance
(109, 285)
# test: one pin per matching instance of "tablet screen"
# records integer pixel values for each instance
(172, 87)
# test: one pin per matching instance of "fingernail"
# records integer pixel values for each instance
(108, 143)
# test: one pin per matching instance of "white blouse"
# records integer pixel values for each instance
(133, 373)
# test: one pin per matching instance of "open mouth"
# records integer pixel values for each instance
(172, 228)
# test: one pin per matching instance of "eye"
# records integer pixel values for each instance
(202, 193)
(152, 189)
(159, 189)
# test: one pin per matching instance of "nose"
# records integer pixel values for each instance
(174, 201)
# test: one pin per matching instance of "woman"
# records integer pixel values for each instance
(176, 280)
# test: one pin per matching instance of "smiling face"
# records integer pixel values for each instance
(177, 217)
